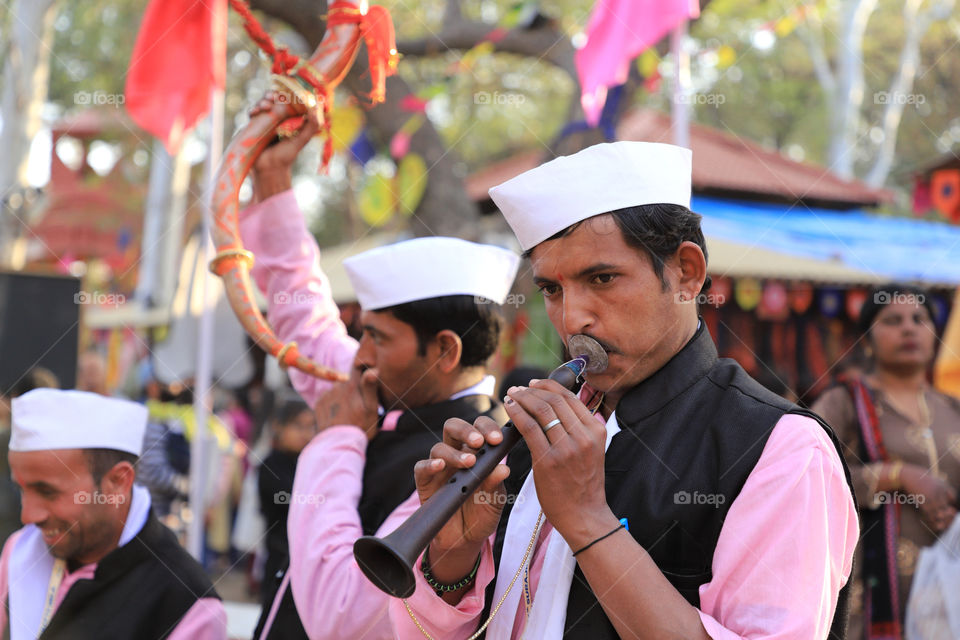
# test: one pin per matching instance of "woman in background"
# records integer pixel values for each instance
(902, 443)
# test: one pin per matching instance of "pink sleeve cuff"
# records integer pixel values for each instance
(438, 617)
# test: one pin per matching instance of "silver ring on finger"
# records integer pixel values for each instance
(551, 424)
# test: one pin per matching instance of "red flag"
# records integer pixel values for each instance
(618, 31)
(179, 57)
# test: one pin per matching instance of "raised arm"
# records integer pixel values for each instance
(300, 306)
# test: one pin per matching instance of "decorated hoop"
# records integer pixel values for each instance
(302, 85)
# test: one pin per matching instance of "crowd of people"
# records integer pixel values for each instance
(671, 496)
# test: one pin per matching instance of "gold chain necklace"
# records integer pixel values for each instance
(523, 564)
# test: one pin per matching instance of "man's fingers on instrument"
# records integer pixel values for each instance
(547, 404)
(546, 409)
(531, 430)
(453, 458)
(547, 384)
(428, 476)
(489, 429)
(578, 408)
(457, 432)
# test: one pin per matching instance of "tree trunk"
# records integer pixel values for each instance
(848, 98)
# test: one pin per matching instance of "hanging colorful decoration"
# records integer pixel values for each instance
(381, 196)
(346, 126)
(410, 183)
(747, 292)
(721, 290)
(432, 91)
(362, 149)
(800, 296)
(785, 25)
(376, 29)
(376, 200)
(726, 56)
(773, 302)
(831, 302)
(945, 193)
(413, 103)
(922, 196)
(855, 300)
(467, 61)
(400, 143)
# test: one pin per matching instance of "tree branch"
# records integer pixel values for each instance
(818, 57)
(901, 85)
(547, 43)
(452, 14)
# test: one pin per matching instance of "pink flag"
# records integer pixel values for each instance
(618, 31)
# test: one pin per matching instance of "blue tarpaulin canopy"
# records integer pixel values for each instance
(887, 248)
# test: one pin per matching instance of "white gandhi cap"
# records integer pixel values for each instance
(605, 177)
(45, 419)
(430, 268)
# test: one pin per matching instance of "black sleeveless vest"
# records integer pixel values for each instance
(690, 435)
(140, 590)
(388, 480)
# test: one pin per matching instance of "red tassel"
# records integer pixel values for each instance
(376, 27)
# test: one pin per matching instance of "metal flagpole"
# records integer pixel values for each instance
(202, 401)
(682, 91)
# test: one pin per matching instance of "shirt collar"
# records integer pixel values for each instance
(485, 387)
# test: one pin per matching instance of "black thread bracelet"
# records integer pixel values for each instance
(441, 588)
(606, 535)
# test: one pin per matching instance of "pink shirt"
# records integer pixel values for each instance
(205, 620)
(333, 597)
(784, 552)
